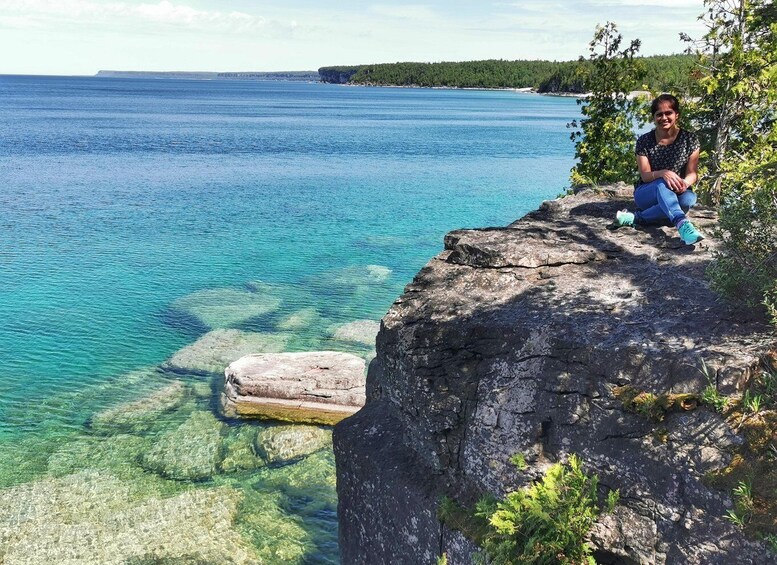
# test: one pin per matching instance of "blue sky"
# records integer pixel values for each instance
(70, 37)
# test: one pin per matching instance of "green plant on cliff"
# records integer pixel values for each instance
(545, 523)
(743, 504)
(604, 136)
(751, 476)
(734, 114)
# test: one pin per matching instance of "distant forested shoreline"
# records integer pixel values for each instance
(663, 72)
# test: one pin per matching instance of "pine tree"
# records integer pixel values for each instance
(604, 144)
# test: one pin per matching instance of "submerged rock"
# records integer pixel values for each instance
(117, 453)
(351, 279)
(189, 452)
(300, 320)
(359, 331)
(378, 272)
(239, 450)
(141, 414)
(225, 307)
(210, 354)
(93, 518)
(515, 341)
(320, 387)
(282, 444)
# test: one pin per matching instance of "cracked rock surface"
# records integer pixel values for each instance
(512, 340)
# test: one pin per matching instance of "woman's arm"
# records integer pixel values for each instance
(644, 169)
(672, 179)
(692, 169)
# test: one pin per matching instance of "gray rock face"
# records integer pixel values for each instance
(321, 387)
(513, 340)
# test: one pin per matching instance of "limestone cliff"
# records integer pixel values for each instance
(517, 340)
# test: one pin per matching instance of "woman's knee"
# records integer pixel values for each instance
(687, 200)
(646, 195)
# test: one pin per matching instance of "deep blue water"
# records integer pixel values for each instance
(121, 196)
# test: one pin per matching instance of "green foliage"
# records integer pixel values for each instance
(742, 512)
(442, 559)
(771, 541)
(736, 90)
(546, 523)
(604, 142)
(735, 117)
(745, 269)
(519, 460)
(710, 396)
(612, 500)
(663, 72)
(654, 406)
(459, 518)
(752, 402)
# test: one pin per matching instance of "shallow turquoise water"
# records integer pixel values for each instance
(121, 197)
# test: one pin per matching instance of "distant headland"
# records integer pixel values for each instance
(278, 75)
(668, 73)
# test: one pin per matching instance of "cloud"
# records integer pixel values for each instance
(53, 14)
(406, 12)
(677, 4)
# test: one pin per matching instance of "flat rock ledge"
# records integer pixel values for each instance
(321, 387)
(516, 340)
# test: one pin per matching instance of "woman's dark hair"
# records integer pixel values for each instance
(665, 98)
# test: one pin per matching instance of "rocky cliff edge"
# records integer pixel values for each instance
(518, 340)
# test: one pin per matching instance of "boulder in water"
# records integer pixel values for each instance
(300, 320)
(321, 387)
(239, 451)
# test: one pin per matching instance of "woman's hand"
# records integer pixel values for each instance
(675, 182)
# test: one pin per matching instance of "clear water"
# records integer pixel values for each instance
(121, 197)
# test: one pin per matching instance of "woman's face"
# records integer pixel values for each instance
(665, 117)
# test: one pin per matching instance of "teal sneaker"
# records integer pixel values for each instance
(624, 218)
(689, 234)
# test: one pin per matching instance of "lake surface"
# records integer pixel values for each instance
(137, 216)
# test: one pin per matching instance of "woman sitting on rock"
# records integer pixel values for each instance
(668, 160)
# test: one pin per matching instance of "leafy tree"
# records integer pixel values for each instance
(604, 144)
(736, 116)
(735, 90)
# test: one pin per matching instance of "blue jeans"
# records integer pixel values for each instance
(657, 204)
